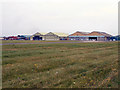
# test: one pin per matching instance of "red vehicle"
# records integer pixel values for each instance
(13, 38)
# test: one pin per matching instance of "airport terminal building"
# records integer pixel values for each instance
(93, 36)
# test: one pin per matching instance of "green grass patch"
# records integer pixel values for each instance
(63, 65)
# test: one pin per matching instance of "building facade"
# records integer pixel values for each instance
(51, 36)
(93, 36)
(62, 36)
(37, 36)
(82, 36)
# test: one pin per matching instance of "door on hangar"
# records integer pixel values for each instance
(37, 38)
(93, 38)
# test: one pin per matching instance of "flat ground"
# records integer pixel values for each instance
(62, 65)
(14, 42)
(33, 41)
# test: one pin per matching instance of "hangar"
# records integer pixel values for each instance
(37, 36)
(49, 36)
(93, 36)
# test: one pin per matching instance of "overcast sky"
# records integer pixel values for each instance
(68, 16)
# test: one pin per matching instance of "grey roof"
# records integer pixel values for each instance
(50, 33)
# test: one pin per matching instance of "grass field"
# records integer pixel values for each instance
(73, 65)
